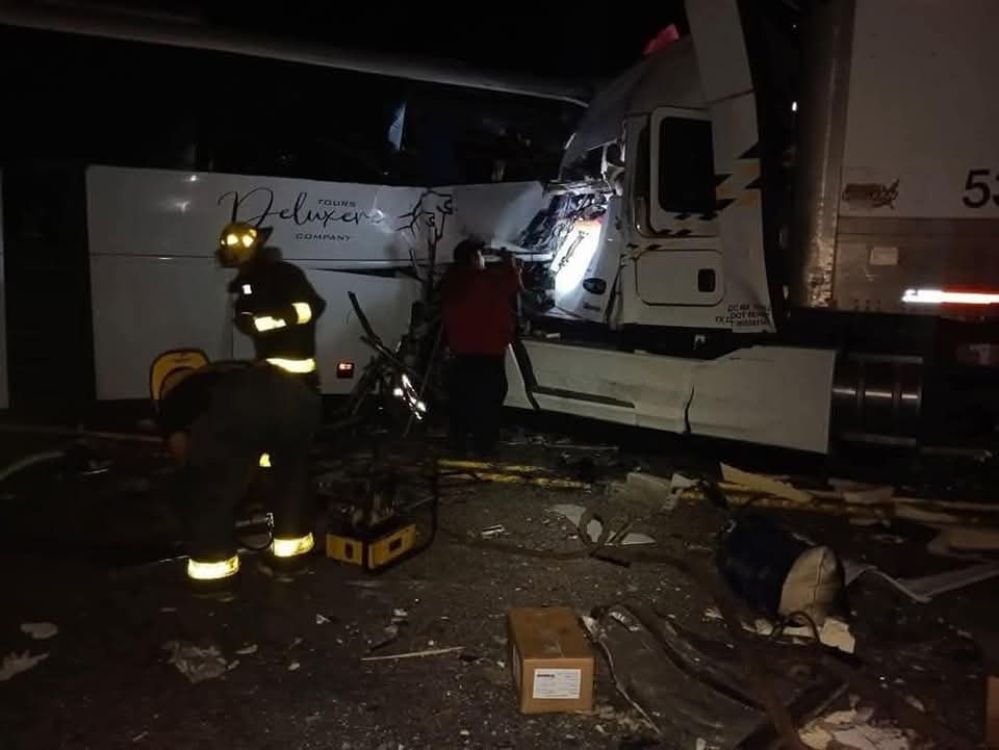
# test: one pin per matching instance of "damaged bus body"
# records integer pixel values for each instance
(780, 229)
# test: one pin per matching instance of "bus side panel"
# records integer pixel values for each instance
(155, 284)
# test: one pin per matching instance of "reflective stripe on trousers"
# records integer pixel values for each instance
(294, 366)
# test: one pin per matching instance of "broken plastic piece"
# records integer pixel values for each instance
(195, 663)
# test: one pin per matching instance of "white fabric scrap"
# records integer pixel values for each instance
(39, 630)
(15, 663)
(853, 730)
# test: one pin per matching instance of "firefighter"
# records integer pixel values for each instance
(479, 304)
(275, 304)
(218, 420)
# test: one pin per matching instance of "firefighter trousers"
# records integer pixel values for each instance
(255, 411)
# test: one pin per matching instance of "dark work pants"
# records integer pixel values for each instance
(254, 411)
(476, 388)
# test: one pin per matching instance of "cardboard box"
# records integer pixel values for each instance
(551, 659)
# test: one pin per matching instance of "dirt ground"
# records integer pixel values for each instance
(294, 676)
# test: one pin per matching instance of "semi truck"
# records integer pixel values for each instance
(780, 229)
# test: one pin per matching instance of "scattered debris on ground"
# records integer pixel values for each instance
(853, 729)
(594, 526)
(641, 547)
(197, 664)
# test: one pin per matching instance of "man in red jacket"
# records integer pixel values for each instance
(479, 306)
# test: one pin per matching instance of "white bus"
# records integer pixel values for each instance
(127, 146)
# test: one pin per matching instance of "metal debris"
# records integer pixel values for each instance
(195, 663)
(594, 529)
(490, 531)
(924, 588)
(247, 650)
(39, 630)
(15, 663)
(414, 654)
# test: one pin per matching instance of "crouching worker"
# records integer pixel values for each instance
(222, 422)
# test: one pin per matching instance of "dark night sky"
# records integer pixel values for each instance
(551, 39)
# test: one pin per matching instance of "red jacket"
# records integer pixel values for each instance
(478, 309)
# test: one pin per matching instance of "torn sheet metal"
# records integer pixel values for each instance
(689, 688)
(924, 588)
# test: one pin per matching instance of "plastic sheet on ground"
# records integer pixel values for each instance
(924, 588)
(689, 688)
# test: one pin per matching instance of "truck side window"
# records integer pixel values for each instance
(686, 165)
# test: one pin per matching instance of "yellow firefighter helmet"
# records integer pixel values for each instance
(239, 242)
(171, 367)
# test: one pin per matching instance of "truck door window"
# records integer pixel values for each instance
(686, 165)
